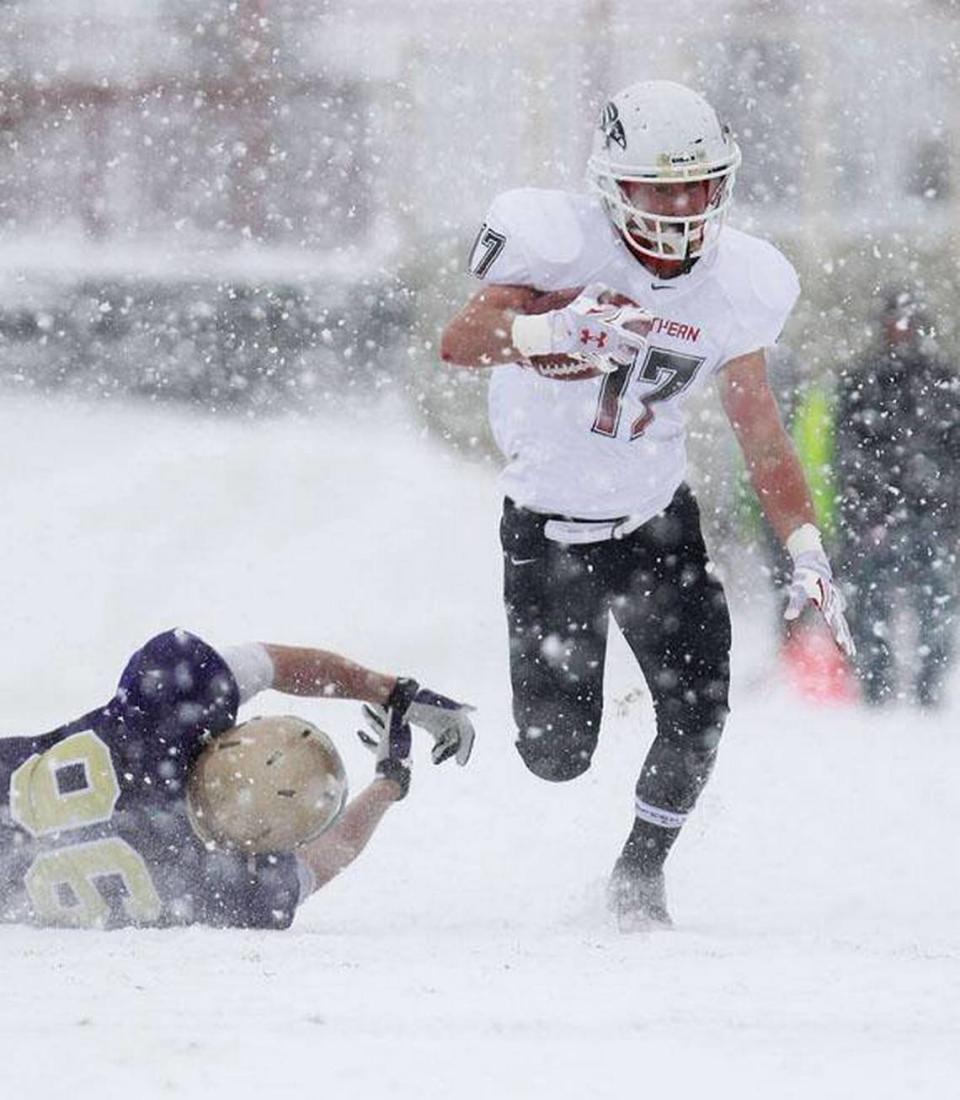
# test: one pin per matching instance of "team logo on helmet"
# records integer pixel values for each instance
(612, 127)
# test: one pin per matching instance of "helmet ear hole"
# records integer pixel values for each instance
(267, 785)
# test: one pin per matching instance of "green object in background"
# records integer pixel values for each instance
(813, 435)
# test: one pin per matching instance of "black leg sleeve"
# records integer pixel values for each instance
(677, 624)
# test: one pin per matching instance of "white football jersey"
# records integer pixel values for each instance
(614, 446)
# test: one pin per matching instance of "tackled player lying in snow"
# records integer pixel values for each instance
(157, 809)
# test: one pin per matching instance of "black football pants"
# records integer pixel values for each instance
(670, 606)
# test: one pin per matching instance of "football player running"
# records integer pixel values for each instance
(157, 809)
(600, 315)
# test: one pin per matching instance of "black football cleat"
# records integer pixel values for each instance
(638, 901)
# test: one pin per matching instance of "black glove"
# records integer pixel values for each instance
(389, 740)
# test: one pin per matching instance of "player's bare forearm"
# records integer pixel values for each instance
(772, 464)
(781, 486)
(480, 334)
(340, 845)
(300, 670)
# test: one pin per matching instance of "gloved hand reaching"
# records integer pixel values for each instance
(444, 719)
(388, 737)
(812, 582)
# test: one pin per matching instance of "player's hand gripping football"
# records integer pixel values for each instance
(601, 327)
(812, 582)
(598, 331)
(444, 719)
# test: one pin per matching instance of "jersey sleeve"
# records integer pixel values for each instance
(175, 690)
(530, 237)
(251, 667)
(767, 289)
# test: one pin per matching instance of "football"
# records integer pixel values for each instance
(567, 368)
(562, 368)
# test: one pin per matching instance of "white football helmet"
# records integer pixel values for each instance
(266, 786)
(661, 132)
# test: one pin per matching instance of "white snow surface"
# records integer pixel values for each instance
(467, 954)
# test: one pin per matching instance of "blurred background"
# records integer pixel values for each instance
(264, 206)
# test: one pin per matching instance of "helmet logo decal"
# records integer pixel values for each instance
(612, 127)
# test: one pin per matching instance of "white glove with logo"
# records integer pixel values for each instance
(444, 719)
(605, 334)
(812, 582)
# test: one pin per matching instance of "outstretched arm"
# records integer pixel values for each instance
(388, 738)
(300, 670)
(340, 845)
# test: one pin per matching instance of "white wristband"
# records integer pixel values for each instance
(532, 334)
(804, 540)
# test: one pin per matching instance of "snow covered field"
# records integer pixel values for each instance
(467, 954)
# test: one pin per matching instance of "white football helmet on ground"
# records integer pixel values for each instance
(658, 132)
(266, 786)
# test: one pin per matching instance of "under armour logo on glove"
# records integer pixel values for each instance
(599, 329)
(600, 338)
(599, 326)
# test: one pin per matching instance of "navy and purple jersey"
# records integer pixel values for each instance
(93, 818)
